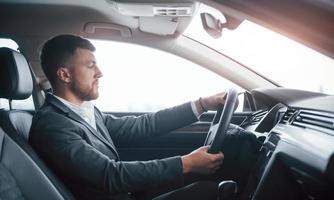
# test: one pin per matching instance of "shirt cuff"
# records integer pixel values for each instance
(194, 109)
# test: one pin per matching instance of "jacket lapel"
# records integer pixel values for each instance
(104, 131)
(102, 128)
(72, 115)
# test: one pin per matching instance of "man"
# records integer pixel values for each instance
(77, 140)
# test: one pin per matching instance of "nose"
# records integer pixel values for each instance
(98, 73)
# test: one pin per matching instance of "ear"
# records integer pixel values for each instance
(64, 74)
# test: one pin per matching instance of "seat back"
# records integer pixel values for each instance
(17, 122)
(15, 84)
(18, 158)
(20, 176)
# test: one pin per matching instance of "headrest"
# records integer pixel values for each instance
(15, 77)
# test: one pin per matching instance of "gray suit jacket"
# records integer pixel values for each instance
(87, 160)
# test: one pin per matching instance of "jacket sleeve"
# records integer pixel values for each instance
(63, 147)
(131, 128)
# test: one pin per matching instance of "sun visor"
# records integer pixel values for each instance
(158, 25)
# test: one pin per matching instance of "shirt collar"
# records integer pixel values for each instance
(85, 110)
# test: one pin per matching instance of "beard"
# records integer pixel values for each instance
(85, 93)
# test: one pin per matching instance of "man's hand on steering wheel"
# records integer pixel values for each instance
(222, 118)
(208, 159)
(213, 102)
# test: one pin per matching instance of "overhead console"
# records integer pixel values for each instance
(149, 9)
(151, 14)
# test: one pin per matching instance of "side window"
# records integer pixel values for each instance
(26, 104)
(142, 79)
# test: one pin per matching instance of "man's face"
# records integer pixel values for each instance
(85, 75)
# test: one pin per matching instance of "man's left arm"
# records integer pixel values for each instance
(163, 121)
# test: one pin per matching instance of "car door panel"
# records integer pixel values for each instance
(177, 142)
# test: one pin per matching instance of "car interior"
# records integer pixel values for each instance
(294, 128)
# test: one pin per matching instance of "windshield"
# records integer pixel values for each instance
(270, 54)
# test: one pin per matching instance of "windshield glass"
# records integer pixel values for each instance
(270, 54)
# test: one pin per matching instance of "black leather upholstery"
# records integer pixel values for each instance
(15, 77)
(26, 177)
(15, 84)
(23, 144)
(32, 176)
(16, 121)
(8, 186)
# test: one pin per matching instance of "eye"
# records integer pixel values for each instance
(91, 64)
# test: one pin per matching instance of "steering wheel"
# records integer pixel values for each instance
(220, 123)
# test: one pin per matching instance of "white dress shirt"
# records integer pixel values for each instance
(85, 110)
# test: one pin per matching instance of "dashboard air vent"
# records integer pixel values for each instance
(315, 120)
(257, 116)
(288, 114)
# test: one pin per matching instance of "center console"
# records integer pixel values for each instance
(265, 154)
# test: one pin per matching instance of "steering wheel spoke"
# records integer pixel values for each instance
(221, 122)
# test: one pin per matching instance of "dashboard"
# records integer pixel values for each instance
(296, 160)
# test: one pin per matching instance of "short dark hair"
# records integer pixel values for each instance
(57, 50)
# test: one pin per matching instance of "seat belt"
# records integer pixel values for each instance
(2, 136)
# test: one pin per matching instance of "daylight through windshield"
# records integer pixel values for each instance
(272, 55)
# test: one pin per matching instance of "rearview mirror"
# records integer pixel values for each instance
(211, 25)
(214, 27)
